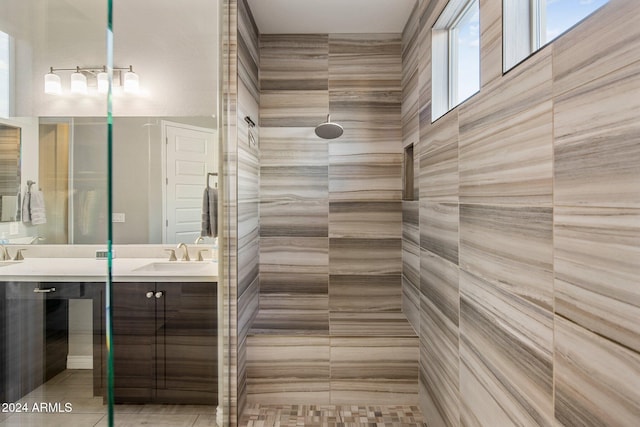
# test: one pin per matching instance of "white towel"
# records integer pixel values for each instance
(38, 214)
(26, 208)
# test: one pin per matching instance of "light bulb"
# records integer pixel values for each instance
(78, 83)
(103, 82)
(131, 81)
(52, 85)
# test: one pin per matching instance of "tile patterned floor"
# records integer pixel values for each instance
(331, 416)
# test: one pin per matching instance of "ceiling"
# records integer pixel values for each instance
(330, 16)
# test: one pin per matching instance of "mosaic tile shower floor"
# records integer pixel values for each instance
(331, 416)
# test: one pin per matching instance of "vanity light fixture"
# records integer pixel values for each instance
(84, 77)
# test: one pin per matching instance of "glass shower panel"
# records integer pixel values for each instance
(52, 288)
(165, 156)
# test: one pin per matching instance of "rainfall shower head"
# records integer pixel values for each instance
(329, 130)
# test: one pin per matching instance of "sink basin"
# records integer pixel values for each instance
(177, 267)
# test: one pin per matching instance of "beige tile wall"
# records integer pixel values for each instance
(331, 225)
(528, 228)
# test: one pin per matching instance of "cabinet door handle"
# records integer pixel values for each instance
(150, 294)
(159, 294)
(44, 291)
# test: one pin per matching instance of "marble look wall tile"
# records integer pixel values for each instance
(365, 60)
(248, 304)
(372, 324)
(374, 369)
(288, 369)
(506, 354)
(596, 142)
(490, 41)
(298, 183)
(248, 261)
(605, 41)
(282, 147)
(439, 162)
(365, 293)
(411, 222)
(439, 367)
(293, 108)
(411, 262)
(382, 220)
(507, 159)
(294, 62)
(365, 182)
(511, 247)
(439, 229)
(596, 380)
(365, 256)
(300, 321)
(247, 50)
(597, 270)
(411, 304)
(439, 285)
(520, 90)
(435, 136)
(294, 218)
(305, 257)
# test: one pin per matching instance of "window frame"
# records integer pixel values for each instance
(444, 57)
(536, 20)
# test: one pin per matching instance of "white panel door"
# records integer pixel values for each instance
(190, 155)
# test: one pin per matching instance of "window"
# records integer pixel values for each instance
(5, 74)
(455, 55)
(530, 24)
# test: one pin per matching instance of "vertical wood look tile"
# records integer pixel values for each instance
(597, 270)
(596, 380)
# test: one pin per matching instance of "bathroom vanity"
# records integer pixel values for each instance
(164, 327)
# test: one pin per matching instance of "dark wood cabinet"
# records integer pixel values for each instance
(165, 342)
(34, 325)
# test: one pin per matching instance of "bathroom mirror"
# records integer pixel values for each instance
(10, 137)
(174, 52)
(146, 151)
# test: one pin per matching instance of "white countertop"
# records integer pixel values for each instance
(93, 270)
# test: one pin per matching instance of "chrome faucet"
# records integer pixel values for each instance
(198, 240)
(185, 255)
(36, 239)
(4, 253)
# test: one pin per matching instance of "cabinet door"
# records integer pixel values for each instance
(134, 350)
(23, 319)
(187, 343)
